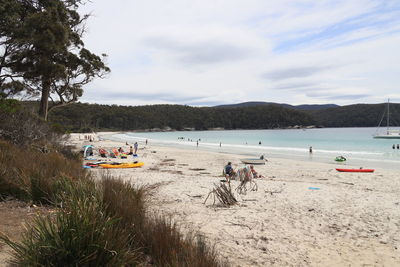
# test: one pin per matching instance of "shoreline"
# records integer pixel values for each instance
(356, 159)
(344, 219)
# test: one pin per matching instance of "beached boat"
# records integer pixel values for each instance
(390, 134)
(255, 161)
(355, 170)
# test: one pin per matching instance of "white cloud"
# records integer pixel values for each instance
(216, 52)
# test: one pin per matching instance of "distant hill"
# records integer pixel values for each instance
(358, 115)
(249, 115)
(298, 107)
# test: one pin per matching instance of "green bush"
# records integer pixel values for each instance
(79, 234)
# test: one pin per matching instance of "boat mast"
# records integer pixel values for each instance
(387, 119)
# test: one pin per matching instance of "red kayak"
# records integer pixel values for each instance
(355, 170)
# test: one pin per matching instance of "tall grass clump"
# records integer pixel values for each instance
(169, 247)
(29, 174)
(79, 234)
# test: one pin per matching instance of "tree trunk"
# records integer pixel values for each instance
(44, 101)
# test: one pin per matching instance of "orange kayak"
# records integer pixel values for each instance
(122, 165)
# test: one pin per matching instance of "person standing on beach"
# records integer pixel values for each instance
(146, 142)
(393, 146)
(136, 147)
(310, 149)
(197, 143)
(398, 146)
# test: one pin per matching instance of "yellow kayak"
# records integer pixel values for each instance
(122, 165)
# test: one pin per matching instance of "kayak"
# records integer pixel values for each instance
(355, 170)
(122, 165)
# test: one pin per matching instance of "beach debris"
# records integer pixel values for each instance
(347, 183)
(197, 169)
(240, 224)
(194, 196)
(273, 192)
(314, 188)
(223, 193)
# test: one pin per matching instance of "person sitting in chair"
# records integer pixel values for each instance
(255, 174)
(229, 171)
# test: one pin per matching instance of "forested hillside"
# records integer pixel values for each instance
(84, 117)
(88, 117)
(359, 115)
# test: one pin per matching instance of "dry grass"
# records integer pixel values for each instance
(33, 175)
(96, 224)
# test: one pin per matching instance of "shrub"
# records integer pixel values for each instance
(32, 175)
(79, 234)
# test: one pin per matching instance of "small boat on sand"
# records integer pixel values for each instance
(355, 170)
(253, 161)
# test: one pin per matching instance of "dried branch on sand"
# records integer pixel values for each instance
(224, 195)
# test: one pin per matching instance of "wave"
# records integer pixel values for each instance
(244, 148)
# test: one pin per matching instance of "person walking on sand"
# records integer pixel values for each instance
(136, 147)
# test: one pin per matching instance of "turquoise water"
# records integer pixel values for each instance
(356, 144)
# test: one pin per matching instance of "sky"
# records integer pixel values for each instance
(213, 52)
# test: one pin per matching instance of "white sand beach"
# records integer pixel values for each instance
(345, 219)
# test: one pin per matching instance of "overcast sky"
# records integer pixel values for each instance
(210, 52)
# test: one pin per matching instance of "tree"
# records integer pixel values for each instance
(49, 54)
(10, 18)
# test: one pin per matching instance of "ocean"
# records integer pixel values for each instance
(356, 144)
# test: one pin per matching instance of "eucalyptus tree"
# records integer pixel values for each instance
(49, 55)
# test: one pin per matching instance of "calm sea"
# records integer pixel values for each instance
(356, 144)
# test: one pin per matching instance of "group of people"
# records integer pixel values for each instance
(132, 150)
(398, 146)
(230, 173)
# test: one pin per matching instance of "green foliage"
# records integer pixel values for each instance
(81, 117)
(8, 106)
(78, 235)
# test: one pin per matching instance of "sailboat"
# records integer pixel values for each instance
(390, 134)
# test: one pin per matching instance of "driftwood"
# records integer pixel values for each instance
(240, 224)
(224, 195)
(274, 192)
